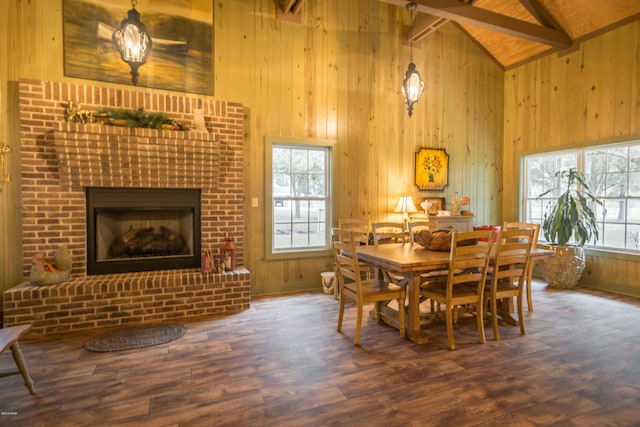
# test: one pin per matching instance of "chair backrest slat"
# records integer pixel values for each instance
(469, 258)
(388, 232)
(535, 227)
(346, 257)
(360, 228)
(512, 255)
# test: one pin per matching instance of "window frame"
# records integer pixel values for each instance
(302, 252)
(581, 154)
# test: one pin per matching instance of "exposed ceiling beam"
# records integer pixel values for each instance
(540, 13)
(422, 29)
(467, 14)
(290, 6)
(289, 10)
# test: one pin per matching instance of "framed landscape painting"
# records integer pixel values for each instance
(181, 56)
(432, 169)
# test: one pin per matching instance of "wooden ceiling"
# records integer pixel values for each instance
(513, 32)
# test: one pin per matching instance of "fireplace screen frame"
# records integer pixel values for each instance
(100, 200)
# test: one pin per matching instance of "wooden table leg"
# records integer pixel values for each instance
(504, 310)
(414, 332)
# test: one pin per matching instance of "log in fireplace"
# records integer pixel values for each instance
(142, 229)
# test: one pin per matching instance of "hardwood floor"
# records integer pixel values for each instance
(282, 363)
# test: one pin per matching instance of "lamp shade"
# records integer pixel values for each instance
(132, 41)
(405, 205)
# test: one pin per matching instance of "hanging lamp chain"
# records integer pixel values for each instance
(412, 7)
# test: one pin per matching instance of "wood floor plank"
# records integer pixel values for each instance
(282, 363)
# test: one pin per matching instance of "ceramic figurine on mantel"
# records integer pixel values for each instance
(457, 204)
(199, 124)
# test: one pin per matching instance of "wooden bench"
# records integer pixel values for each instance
(9, 338)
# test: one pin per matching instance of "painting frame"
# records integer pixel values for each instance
(437, 204)
(432, 169)
(181, 57)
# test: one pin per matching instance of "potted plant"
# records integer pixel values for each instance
(569, 222)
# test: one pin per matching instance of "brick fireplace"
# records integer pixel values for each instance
(61, 160)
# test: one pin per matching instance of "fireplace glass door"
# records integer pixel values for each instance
(142, 229)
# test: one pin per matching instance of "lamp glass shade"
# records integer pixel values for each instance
(412, 87)
(133, 42)
(405, 205)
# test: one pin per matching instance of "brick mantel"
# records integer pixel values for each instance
(95, 155)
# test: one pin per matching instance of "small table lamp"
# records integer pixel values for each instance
(406, 206)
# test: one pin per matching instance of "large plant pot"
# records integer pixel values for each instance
(565, 268)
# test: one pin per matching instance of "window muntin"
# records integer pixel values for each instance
(613, 175)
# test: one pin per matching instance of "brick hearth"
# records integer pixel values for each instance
(59, 160)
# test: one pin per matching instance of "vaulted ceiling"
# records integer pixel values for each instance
(513, 32)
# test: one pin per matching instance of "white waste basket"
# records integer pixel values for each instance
(328, 281)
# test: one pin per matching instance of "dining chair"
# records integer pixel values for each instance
(361, 230)
(417, 226)
(508, 274)
(536, 233)
(390, 232)
(464, 285)
(352, 286)
(360, 227)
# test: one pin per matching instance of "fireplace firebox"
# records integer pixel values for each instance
(140, 229)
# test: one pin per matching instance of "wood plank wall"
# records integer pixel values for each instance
(590, 96)
(335, 75)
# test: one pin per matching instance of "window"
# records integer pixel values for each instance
(613, 175)
(298, 185)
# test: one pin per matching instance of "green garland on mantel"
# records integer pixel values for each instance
(140, 119)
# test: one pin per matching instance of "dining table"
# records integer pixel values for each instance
(410, 260)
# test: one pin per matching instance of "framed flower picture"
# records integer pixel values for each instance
(432, 169)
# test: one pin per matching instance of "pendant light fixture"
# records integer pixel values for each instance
(412, 85)
(132, 41)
